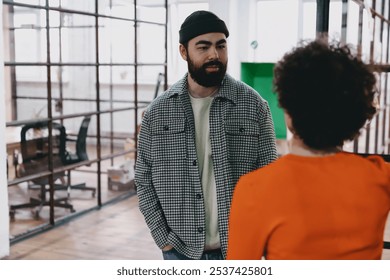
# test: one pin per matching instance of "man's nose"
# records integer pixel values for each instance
(213, 53)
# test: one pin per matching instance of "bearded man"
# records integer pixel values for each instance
(196, 140)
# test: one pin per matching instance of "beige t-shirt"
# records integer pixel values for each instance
(201, 110)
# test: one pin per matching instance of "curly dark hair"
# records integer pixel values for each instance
(327, 91)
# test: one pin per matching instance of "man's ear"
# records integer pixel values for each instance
(183, 52)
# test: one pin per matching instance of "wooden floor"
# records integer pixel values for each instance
(115, 232)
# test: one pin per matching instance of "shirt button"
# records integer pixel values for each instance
(166, 127)
(198, 196)
(194, 163)
(242, 129)
(200, 229)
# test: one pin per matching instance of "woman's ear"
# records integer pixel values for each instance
(183, 52)
(288, 121)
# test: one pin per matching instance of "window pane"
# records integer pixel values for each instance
(81, 6)
(78, 40)
(151, 49)
(117, 8)
(152, 11)
(116, 41)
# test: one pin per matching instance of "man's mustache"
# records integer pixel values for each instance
(213, 63)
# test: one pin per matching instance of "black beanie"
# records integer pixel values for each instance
(201, 22)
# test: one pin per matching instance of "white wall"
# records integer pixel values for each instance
(4, 217)
(239, 16)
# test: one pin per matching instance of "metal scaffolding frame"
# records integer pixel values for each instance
(131, 105)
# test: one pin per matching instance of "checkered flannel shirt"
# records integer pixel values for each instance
(167, 176)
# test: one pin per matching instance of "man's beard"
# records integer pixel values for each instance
(204, 78)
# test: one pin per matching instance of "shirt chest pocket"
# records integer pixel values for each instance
(243, 140)
(168, 140)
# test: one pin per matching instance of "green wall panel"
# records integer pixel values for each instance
(259, 76)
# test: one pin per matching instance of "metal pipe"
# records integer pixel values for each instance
(77, 12)
(136, 77)
(98, 129)
(9, 63)
(49, 116)
(322, 23)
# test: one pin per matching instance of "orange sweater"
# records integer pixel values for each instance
(332, 207)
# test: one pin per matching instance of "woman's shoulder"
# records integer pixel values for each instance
(374, 161)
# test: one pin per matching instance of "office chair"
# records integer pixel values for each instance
(79, 155)
(34, 146)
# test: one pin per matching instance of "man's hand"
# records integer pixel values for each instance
(167, 248)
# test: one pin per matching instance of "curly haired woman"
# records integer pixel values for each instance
(317, 202)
